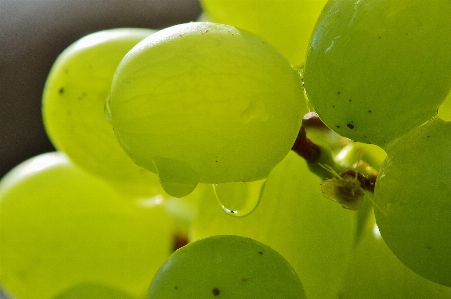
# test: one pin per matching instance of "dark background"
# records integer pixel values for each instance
(34, 32)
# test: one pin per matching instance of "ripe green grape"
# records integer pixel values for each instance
(444, 111)
(60, 226)
(287, 24)
(413, 192)
(376, 69)
(375, 272)
(92, 291)
(205, 102)
(73, 109)
(226, 267)
(314, 234)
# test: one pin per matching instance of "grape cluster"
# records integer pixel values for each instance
(263, 113)
(377, 72)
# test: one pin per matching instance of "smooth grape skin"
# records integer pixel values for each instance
(226, 267)
(314, 234)
(375, 272)
(60, 226)
(206, 102)
(287, 24)
(376, 69)
(413, 191)
(73, 109)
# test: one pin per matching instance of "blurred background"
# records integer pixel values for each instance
(34, 32)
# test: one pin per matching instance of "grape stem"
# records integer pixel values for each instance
(316, 155)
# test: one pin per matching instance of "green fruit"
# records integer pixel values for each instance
(204, 102)
(287, 24)
(376, 69)
(413, 192)
(375, 272)
(314, 234)
(60, 226)
(226, 267)
(73, 109)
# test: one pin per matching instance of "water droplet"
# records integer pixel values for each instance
(176, 177)
(107, 111)
(239, 198)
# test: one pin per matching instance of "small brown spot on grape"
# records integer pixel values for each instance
(260, 252)
(333, 106)
(61, 91)
(369, 111)
(244, 279)
(176, 287)
(350, 100)
(338, 127)
(351, 126)
(338, 92)
(216, 291)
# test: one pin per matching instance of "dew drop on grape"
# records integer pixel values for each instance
(239, 198)
(176, 177)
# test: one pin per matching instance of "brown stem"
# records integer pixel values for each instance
(305, 148)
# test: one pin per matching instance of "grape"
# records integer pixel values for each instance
(376, 69)
(73, 109)
(60, 226)
(413, 193)
(92, 291)
(376, 273)
(226, 267)
(315, 235)
(287, 24)
(444, 111)
(205, 102)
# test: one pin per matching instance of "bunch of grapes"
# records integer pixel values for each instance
(228, 133)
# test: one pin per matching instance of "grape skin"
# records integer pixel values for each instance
(376, 69)
(206, 102)
(226, 266)
(73, 107)
(61, 226)
(413, 191)
(314, 234)
(287, 24)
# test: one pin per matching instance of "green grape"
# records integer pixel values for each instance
(413, 192)
(226, 267)
(375, 272)
(287, 24)
(92, 291)
(60, 226)
(315, 235)
(444, 111)
(205, 102)
(73, 109)
(376, 69)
